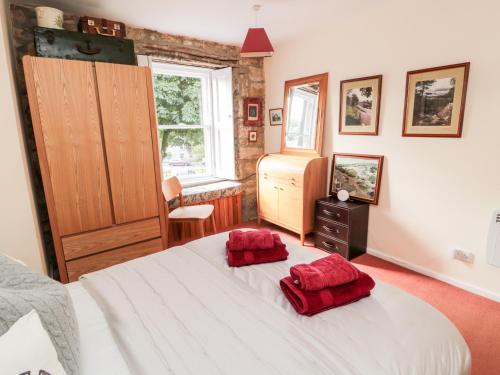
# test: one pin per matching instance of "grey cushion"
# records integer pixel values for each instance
(22, 290)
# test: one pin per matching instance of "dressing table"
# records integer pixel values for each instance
(290, 182)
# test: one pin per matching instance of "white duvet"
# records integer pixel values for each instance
(184, 311)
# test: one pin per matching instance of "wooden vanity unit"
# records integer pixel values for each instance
(289, 183)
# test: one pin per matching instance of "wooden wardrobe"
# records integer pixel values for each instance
(289, 183)
(95, 131)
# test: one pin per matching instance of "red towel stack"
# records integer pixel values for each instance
(324, 284)
(253, 247)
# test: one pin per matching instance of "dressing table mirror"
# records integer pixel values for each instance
(304, 115)
(290, 182)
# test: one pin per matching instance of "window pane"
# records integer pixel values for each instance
(183, 152)
(178, 99)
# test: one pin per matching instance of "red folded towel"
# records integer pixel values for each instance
(311, 302)
(326, 272)
(247, 257)
(250, 240)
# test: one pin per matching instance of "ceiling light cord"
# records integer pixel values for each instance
(256, 9)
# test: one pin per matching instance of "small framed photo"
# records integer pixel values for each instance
(360, 175)
(360, 105)
(435, 101)
(276, 116)
(253, 112)
(252, 136)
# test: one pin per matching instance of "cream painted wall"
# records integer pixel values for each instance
(436, 193)
(19, 232)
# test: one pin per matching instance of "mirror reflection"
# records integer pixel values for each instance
(302, 116)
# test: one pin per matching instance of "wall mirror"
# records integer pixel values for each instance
(304, 115)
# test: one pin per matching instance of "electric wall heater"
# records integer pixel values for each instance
(494, 240)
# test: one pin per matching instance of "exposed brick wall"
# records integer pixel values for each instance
(248, 80)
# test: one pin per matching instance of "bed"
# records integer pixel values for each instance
(184, 311)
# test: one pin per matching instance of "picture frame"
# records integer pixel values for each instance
(276, 116)
(435, 101)
(252, 112)
(360, 105)
(359, 174)
(252, 136)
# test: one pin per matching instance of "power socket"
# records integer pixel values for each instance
(462, 255)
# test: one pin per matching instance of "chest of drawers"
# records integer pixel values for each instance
(341, 227)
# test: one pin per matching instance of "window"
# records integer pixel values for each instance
(195, 121)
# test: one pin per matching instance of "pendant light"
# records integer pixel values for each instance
(256, 43)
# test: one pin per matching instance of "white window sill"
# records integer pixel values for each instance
(192, 182)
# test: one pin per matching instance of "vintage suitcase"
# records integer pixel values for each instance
(101, 26)
(77, 46)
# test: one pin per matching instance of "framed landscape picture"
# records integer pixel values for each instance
(435, 101)
(360, 175)
(252, 136)
(252, 115)
(276, 116)
(360, 105)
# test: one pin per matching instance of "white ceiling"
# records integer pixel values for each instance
(224, 21)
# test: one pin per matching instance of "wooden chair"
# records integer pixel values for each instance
(172, 188)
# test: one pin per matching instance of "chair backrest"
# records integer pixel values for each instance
(171, 188)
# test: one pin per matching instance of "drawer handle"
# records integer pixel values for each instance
(329, 245)
(328, 229)
(330, 213)
(282, 189)
(275, 187)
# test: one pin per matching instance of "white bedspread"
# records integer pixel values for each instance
(184, 311)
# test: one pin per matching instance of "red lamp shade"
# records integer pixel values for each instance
(257, 44)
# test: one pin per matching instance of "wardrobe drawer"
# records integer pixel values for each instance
(331, 245)
(337, 214)
(96, 262)
(95, 242)
(332, 229)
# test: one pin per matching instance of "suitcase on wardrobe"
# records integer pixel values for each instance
(88, 47)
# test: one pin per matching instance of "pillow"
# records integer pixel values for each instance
(26, 349)
(22, 290)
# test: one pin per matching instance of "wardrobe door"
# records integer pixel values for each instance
(124, 98)
(63, 101)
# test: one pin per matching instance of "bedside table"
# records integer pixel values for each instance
(341, 227)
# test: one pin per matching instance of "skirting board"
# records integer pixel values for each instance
(436, 275)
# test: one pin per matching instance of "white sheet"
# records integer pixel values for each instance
(99, 354)
(184, 311)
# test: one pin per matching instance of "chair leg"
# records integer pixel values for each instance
(201, 224)
(214, 227)
(183, 234)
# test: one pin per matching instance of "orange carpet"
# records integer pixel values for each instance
(477, 318)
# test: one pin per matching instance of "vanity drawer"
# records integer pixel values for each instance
(331, 245)
(332, 229)
(334, 213)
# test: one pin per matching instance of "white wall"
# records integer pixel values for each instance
(435, 193)
(19, 232)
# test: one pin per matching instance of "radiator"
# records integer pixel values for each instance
(227, 212)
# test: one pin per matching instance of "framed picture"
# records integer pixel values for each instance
(360, 105)
(276, 116)
(252, 136)
(252, 115)
(360, 175)
(435, 101)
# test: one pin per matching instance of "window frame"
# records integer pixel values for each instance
(207, 123)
